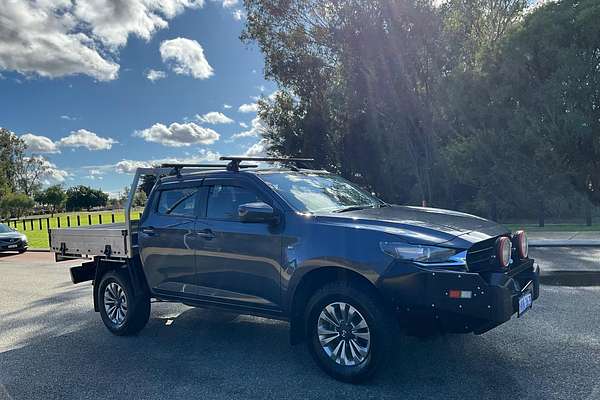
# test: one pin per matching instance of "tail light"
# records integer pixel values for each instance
(522, 244)
(503, 250)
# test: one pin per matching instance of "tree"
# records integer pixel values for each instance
(84, 197)
(358, 80)
(148, 182)
(29, 171)
(11, 149)
(15, 205)
(53, 196)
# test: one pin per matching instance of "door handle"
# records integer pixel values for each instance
(149, 231)
(206, 234)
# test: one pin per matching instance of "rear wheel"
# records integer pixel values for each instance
(350, 332)
(122, 312)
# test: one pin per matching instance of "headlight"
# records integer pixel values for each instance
(420, 253)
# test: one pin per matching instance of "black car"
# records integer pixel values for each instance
(347, 270)
(11, 240)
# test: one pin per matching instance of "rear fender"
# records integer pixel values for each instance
(132, 269)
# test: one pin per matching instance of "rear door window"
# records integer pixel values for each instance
(179, 202)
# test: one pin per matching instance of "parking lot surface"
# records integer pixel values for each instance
(53, 346)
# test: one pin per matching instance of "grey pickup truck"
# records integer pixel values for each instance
(280, 240)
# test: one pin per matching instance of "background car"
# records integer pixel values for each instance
(12, 240)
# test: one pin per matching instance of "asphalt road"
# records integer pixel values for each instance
(52, 345)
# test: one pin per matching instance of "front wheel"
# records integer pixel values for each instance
(350, 332)
(122, 312)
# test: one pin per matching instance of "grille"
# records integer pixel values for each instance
(9, 240)
(481, 256)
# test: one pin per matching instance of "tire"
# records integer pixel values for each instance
(21, 251)
(368, 331)
(116, 290)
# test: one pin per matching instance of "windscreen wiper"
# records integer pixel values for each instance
(351, 208)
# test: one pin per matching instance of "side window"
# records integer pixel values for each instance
(223, 201)
(180, 202)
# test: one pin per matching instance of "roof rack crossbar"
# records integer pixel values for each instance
(234, 161)
(177, 167)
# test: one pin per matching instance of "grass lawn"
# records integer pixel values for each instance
(38, 238)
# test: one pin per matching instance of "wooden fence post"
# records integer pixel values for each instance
(40, 223)
(24, 227)
(31, 223)
(99, 218)
(89, 219)
(78, 220)
(68, 221)
(47, 224)
(112, 218)
(58, 222)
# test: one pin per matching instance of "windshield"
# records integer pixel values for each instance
(319, 192)
(4, 229)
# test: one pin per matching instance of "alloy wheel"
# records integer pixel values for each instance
(344, 334)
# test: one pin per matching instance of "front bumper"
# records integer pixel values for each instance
(421, 297)
(16, 246)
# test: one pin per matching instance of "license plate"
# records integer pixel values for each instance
(12, 246)
(525, 303)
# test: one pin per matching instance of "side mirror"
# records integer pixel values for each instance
(256, 212)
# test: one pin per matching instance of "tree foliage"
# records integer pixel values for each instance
(15, 205)
(84, 197)
(477, 105)
(53, 196)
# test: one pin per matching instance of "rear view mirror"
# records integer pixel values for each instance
(256, 212)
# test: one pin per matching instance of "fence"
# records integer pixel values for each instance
(36, 229)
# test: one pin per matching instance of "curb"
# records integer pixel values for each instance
(570, 278)
(564, 243)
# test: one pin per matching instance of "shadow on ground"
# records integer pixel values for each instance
(186, 353)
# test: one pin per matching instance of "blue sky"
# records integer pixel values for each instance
(77, 89)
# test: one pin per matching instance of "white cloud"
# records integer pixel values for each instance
(230, 3)
(186, 57)
(129, 166)
(178, 135)
(68, 118)
(257, 127)
(258, 149)
(226, 106)
(111, 22)
(248, 108)
(55, 38)
(39, 144)
(238, 15)
(243, 125)
(86, 139)
(214, 117)
(155, 75)
(52, 173)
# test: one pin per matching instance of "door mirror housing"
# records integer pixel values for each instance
(257, 212)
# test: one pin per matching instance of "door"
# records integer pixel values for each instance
(237, 263)
(166, 239)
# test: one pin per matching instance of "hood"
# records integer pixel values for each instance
(11, 235)
(421, 224)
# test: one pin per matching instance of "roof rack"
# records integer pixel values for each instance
(177, 167)
(234, 161)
